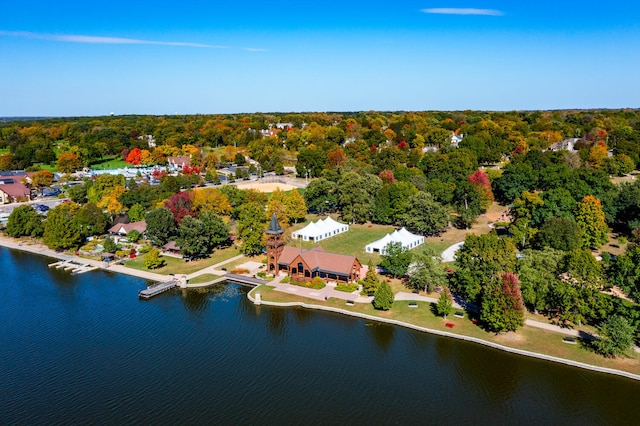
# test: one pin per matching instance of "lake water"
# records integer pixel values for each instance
(83, 349)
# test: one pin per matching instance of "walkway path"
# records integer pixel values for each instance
(449, 255)
(215, 269)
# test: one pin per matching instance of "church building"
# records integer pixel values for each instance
(304, 265)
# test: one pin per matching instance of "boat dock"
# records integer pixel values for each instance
(74, 266)
(154, 290)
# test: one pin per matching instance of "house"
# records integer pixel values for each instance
(456, 139)
(125, 228)
(13, 192)
(179, 161)
(565, 145)
(304, 265)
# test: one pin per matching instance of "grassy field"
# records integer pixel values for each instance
(526, 338)
(110, 163)
(204, 278)
(179, 266)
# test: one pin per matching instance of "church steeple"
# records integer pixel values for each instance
(275, 244)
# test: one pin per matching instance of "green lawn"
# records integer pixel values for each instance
(115, 162)
(204, 278)
(179, 266)
(526, 338)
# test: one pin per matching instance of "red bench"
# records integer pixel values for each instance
(450, 324)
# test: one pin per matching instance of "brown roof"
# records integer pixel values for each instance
(15, 189)
(318, 259)
(125, 228)
(171, 245)
(181, 160)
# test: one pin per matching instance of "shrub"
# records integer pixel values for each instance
(286, 280)
(347, 288)
(144, 249)
(240, 271)
(262, 274)
(383, 297)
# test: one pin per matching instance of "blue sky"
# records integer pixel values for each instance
(69, 58)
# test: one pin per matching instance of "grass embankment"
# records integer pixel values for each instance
(179, 266)
(115, 162)
(204, 278)
(526, 338)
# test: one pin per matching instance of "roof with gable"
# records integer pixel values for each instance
(125, 228)
(319, 260)
(15, 189)
(402, 236)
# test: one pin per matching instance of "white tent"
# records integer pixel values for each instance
(402, 236)
(316, 231)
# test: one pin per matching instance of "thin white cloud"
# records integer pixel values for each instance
(102, 40)
(255, 49)
(462, 11)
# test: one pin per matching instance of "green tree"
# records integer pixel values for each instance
(153, 259)
(625, 271)
(136, 213)
(251, 225)
(396, 259)
(24, 221)
(370, 281)
(444, 306)
(616, 337)
(109, 246)
(160, 226)
(560, 234)
(91, 220)
(426, 272)
(502, 308)
(383, 296)
(538, 271)
(424, 215)
(193, 238)
(321, 195)
(61, 230)
(591, 219)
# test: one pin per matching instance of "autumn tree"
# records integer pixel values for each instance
(134, 157)
(180, 205)
(591, 219)
(153, 259)
(481, 181)
(370, 281)
(211, 200)
(68, 162)
(41, 179)
(502, 308)
(295, 206)
(444, 306)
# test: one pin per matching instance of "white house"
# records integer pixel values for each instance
(402, 236)
(316, 231)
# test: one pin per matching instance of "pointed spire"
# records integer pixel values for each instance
(274, 226)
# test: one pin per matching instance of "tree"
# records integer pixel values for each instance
(160, 225)
(295, 206)
(134, 157)
(396, 259)
(591, 220)
(481, 181)
(370, 281)
(502, 308)
(581, 269)
(24, 221)
(321, 195)
(560, 234)
(61, 230)
(180, 205)
(616, 337)
(425, 216)
(109, 246)
(251, 225)
(426, 271)
(136, 213)
(444, 306)
(153, 260)
(383, 296)
(91, 220)
(538, 270)
(41, 179)
(211, 200)
(625, 271)
(193, 238)
(110, 200)
(68, 162)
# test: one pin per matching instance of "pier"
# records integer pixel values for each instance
(149, 292)
(74, 266)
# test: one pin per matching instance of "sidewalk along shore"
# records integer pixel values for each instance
(447, 334)
(41, 249)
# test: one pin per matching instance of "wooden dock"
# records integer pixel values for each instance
(243, 279)
(154, 290)
(73, 266)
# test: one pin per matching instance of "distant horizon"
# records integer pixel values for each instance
(73, 59)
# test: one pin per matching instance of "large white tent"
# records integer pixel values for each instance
(402, 236)
(316, 231)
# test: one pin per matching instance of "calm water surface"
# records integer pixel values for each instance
(83, 349)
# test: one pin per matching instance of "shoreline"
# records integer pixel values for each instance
(522, 352)
(40, 249)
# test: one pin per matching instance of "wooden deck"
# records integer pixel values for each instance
(149, 292)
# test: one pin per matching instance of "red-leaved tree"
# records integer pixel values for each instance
(134, 157)
(387, 177)
(481, 181)
(180, 205)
